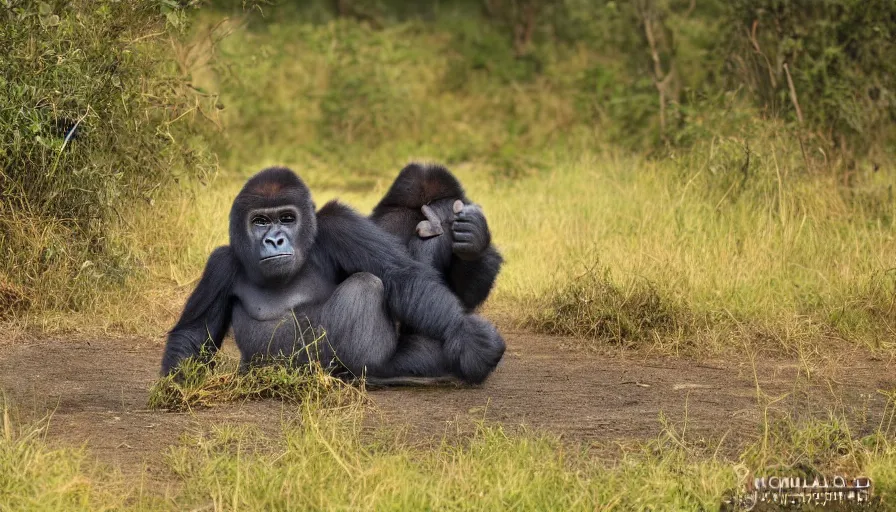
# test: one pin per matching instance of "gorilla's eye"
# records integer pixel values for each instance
(260, 220)
(287, 218)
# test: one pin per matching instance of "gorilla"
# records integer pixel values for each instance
(427, 209)
(332, 286)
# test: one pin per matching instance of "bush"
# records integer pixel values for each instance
(93, 114)
(839, 56)
(592, 307)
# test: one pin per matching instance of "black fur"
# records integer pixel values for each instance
(464, 256)
(288, 273)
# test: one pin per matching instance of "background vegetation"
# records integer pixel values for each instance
(696, 171)
(94, 115)
(693, 176)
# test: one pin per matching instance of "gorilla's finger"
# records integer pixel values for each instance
(471, 213)
(463, 237)
(462, 225)
(431, 216)
(458, 206)
(426, 229)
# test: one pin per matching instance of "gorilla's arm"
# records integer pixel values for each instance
(415, 293)
(473, 280)
(475, 262)
(206, 316)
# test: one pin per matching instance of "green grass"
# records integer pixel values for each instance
(331, 459)
(200, 384)
(36, 476)
(737, 243)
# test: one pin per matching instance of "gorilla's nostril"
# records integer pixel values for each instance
(280, 242)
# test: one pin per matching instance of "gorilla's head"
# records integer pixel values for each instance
(272, 226)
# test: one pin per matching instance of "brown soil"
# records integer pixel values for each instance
(97, 394)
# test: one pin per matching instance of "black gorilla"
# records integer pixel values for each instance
(290, 272)
(427, 209)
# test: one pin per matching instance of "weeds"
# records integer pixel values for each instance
(34, 476)
(327, 459)
(93, 116)
(592, 307)
(219, 381)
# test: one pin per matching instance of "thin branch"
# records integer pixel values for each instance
(751, 35)
(793, 99)
(660, 78)
(799, 116)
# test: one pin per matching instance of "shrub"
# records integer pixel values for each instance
(838, 54)
(592, 307)
(93, 114)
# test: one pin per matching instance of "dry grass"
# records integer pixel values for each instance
(328, 460)
(220, 381)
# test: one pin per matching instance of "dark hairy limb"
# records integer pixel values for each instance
(415, 293)
(358, 326)
(206, 316)
(473, 280)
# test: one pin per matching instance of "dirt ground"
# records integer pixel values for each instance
(97, 393)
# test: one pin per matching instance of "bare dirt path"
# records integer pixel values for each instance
(97, 393)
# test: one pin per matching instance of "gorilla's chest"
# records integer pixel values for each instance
(278, 320)
(258, 304)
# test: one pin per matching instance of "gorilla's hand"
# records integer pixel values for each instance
(475, 349)
(470, 230)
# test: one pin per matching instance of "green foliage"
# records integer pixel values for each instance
(93, 114)
(650, 75)
(839, 55)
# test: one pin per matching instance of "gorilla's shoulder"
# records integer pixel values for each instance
(222, 263)
(224, 252)
(336, 219)
(335, 210)
(341, 225)
(336, 216)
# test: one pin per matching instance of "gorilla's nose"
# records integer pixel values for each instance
(275, 241)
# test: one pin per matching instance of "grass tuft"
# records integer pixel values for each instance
(220, 381)
(592, 307)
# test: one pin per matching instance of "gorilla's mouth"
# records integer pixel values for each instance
(275, 256)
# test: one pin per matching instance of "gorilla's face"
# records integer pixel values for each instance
(273, 226)
(273, 233)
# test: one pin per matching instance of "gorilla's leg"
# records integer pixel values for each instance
(419, 361)
(365, 340)
(418, 356)
(358, 325)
